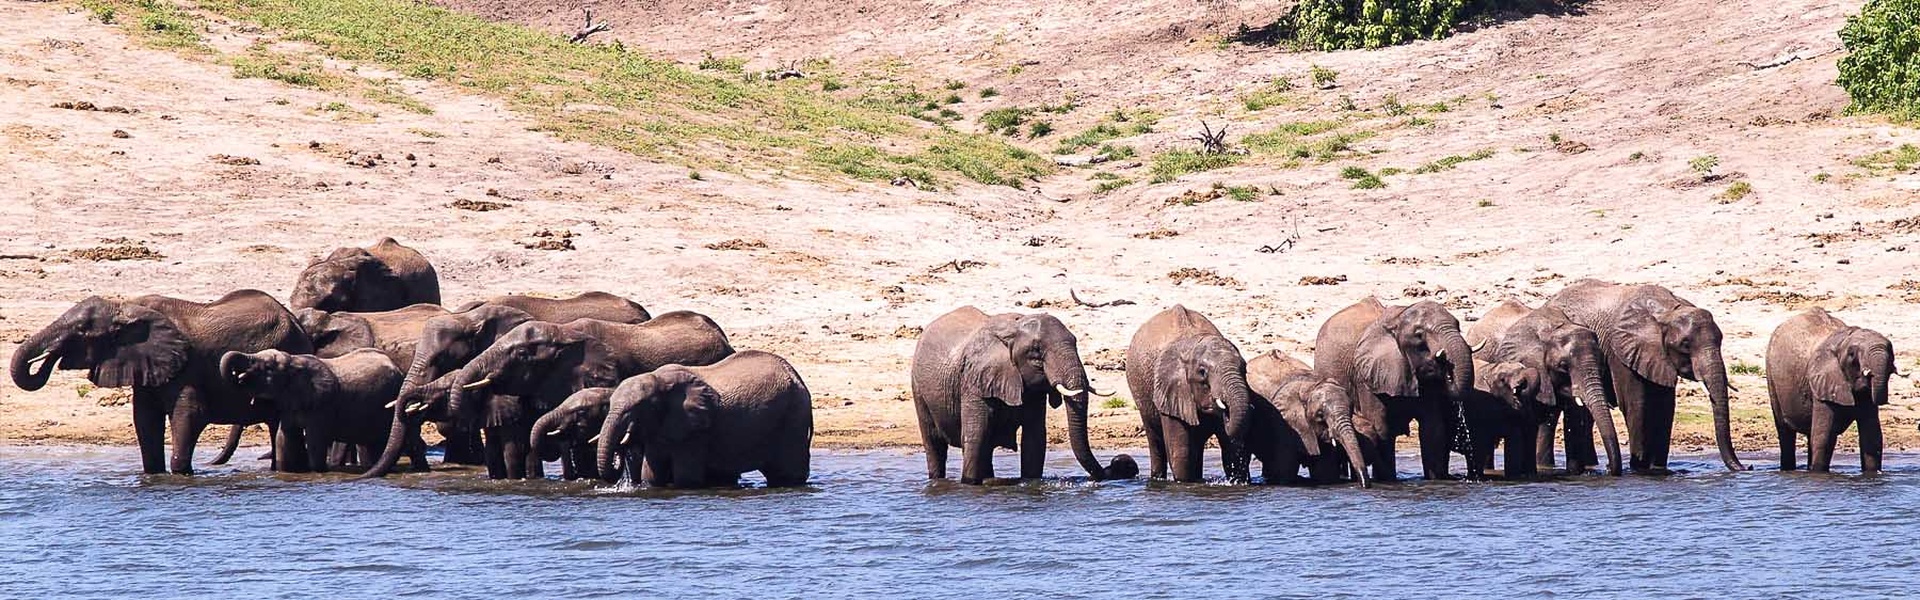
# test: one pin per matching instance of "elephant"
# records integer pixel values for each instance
(168, 350)
(704, 426)
(1296, 418)
(1823, 375)
(1403, 363)
(1570, 359)
(322, 401)
(1508, 404)
(384, 276)
(979, 378)
(449, 341)
(394, 332)
(562, 433)
(534, 367)
(1190, 384)
(589, 305)
(1652, 338)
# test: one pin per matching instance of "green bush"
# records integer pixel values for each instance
(1350, 24)
(1882, 68)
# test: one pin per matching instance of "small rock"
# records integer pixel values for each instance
(122, 134)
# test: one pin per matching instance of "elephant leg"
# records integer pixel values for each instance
(1870, 440)
(290, 449)
(495, 447)
(187, 426)
(1580, 455)
(656, 467)
(416, 453)
(583, 461)
(792, 462)
(1436, 435)
(337, 456)
(934, 443)
(1788, 439)
(1824, 434)
(1631, 390)
(521, 464)
(1521, 453)
(689, 469)
(319, 450)
(1185, 448)
(1033, 439)
(1543, 443)
(1384, 469)
(976, 443)
(1659, 427)
(367, 454)
(1156, 447)
(149, 426)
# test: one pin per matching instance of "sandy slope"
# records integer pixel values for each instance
(845, 267)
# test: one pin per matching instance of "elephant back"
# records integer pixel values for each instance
(1339, 339)
(411, 268)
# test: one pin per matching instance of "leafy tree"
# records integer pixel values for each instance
(1882, 70)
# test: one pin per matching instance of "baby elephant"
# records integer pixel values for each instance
(1300, 420)
(1507, 405)
(563, 433)
(1822, 376)
(705, 426)
(321, 401)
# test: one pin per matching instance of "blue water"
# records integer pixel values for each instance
(80, 522)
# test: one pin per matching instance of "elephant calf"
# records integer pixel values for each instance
(1823, 375)
(562, 433)
(1296, 416)
(705, 426)
(321, 401)
(1509, 402)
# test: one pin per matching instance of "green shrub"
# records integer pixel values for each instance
(1173, 164)
(1881, 71)
(1005, 121)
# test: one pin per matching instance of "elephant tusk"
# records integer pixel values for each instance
(626, 438)
(477, 384)
(41, 357)
(593, 440)
(555, 432)
(1475, 349)
(1067, 391)
(414, 408)
(1099, 393)
(1218, 403)
(1579, 402)
(390, 404)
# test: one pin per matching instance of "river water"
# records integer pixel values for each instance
(80, 522)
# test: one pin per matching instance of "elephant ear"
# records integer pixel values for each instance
(1174, 393)
(148, 350)
(1543, 388)
(320, 383)
(596, 367)
(1826, 380)
(987, 371)
(1292, 404)
(700, 403)
(1636, 340)
(1377, 361)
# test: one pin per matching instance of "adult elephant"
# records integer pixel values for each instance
(322, 401)
(1652, 338)
(1298, 420)
(589, 305)
(1822, 376)
(564, 433)
(449, 341)
(384, 276)
(536, 366)
(1190, 384)
(979, 379)
(395, 333)
(1572, 369)
(704, 426)
(168, 350)
(1414, 361)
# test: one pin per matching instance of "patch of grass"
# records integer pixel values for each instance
(1821, 177)
(1362, 179)
(1322, 77)
(830, 84)
(1894, 160)
(1391, 105)
(1111, 185)
(425, 133)
(1104, 176)
(729, 64)
(1637, 155)
(1703, 164)
(1296, 140)
(1484, 203)
(1354, 172)
(1268, 96)
(1086, 139)
(989, 93)
(1346, 104)
(954, 84)
(1450, 162)
(951, 99)
(650, 108)
(695, 175)
(1242, 193)
(157, 23)
(1170, 165)
(279, 67)
(1741, 367)
(1553, 137)
(1117, 151)
(1004, 121)
(1108, 403)
(1391, 171)
(1736, 192)
(1039, 129)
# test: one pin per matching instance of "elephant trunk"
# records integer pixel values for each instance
(1592, 391)
(1239, 403)
(230, 363)
(538, 437)
(396, 442)
(1712, 371)
(1077, 437)
(36, 348)
(1064, 368)
(1459, 355)
(612, 433)
(1350, 441)
(1880, 359)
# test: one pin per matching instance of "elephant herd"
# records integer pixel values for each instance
(1517, 379)
(364, 354)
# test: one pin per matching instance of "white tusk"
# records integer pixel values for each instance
(41, 357)
(477, 384)
(554, 432)
(1067, 391)
(1441, 353)
(414, 408)
(1217, 403)
(626, 438)
(390, 404)
(1475, 349)
(1577, 402)
(1336, 442)
(593, 440)
(1099, 393)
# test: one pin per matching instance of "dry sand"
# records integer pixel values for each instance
(1633, 90)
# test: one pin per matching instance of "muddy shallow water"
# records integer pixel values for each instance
(79, 522)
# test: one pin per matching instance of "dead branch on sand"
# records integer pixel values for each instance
(1078, 301)
(590, 28)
